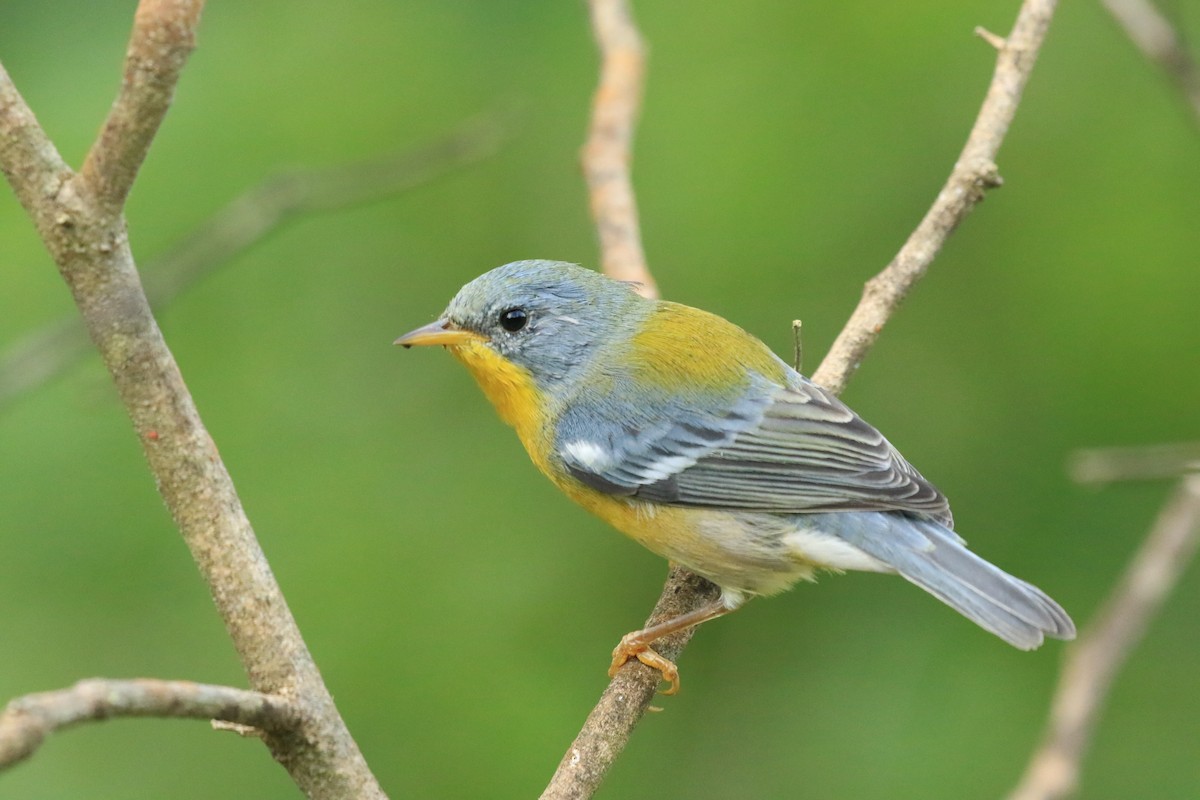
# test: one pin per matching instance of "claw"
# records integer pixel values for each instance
(637, 644)
(628, 649)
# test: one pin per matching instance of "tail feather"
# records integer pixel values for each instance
(1016, 611)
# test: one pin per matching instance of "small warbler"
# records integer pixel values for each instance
(689, 435)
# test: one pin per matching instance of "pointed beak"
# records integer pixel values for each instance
(439, 332)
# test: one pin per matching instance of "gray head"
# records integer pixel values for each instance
(545, 316)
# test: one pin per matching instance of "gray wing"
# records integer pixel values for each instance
(774, 449)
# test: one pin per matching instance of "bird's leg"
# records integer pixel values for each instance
(637, 644)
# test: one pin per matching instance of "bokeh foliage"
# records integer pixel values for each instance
(460, 610)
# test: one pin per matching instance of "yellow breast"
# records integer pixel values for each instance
(512, 390)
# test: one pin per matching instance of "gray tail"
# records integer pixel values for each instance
(936, 559)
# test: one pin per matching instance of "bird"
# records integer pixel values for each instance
(689, 435)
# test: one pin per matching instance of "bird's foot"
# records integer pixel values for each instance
(632, 647)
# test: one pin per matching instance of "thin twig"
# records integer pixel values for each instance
(28, 720)
(1093, 661)
(1154, 462)
(83, 228)
(608, 152)
(1154, 35)
(626, 698)
(798, 345)
(247, 219)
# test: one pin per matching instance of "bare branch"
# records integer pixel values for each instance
(1111, 464)
(82, 227)
(1154, 35)
(608, 152)
(1093, 661)
(164, 35)
(973, 173)
(626, 698)
(246, 220)
(27, 721)
(28, 158)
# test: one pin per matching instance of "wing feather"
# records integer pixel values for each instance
(794, 450)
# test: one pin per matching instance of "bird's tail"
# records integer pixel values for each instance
(936, 559)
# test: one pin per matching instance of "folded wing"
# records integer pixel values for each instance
(788, 450)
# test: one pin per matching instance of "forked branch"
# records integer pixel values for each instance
(79, 217)
(247, 219)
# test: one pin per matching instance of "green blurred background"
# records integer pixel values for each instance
(461, 611)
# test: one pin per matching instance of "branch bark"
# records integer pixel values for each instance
(608, 151)
(79, 218)
(164, 35)
(27, 721)
(1093, 661)
(626, 698)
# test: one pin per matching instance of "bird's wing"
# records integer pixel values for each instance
(794, 449)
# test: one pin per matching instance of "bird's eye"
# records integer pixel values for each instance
(513, 319)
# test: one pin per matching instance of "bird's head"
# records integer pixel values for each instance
(547, 318)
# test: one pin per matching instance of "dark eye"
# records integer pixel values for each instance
(513, 319)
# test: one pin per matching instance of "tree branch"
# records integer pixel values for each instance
(82, 227)
(608, 152)
(1154, 35)
(626, 698)
(244, 221)
(28, 159)
(27, 721)
(164, 35)
(1093, 661)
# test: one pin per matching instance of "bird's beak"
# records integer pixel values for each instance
(439, 332)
